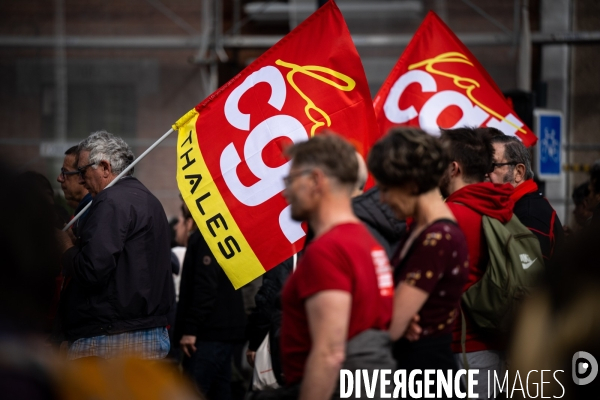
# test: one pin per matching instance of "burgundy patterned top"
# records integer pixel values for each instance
(437, 262)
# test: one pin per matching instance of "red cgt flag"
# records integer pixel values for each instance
(437, 83)
(230, 162)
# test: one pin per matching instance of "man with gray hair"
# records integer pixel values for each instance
(120, 290)
(512, 164)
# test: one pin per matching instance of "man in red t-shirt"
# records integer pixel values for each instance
(469, 198)
(343, 284)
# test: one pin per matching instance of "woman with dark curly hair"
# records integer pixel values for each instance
(431, 263)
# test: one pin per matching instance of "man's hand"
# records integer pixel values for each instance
(250, 356)
(413, 332)
(65, 240)
(188, 344)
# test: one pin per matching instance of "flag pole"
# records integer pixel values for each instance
(524, 59)
(122, 174)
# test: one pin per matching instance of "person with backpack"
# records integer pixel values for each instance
(431, 263)
(512, 163)
(472, 202)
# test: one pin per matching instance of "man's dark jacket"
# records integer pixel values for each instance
(209, 307)
(379, 219)
(534, 211)
(78, 225)
(121, 270)
(268, 305)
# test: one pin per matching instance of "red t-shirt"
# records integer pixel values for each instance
(345, 258)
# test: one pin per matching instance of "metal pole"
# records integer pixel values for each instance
(122, 174)
(60, 72)
(237, 12)
(524, 63)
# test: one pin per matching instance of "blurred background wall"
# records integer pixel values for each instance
(71, 67)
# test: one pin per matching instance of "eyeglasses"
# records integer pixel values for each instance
(496, 165)
(64, 173)
(81, 170)
(287, 180)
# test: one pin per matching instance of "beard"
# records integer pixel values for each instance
(510, 176)
(445, 184)
(298, 214)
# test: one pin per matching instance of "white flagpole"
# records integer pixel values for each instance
(125, 171)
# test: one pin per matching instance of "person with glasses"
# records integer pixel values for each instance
(120, 290)
(512, 164)
(76, 195)
(469, 198)
(339, 299)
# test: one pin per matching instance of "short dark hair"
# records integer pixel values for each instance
(515, 151)
(408, 155)
(595, 176)
(72, 150)
(472, 149)
(330, 152)
(580, 193)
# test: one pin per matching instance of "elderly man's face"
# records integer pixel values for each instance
(501, 173)
(90, 177)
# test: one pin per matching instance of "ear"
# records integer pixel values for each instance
(189, 224)
(455, 169)
(319, 183)
(106, 169)
(519, 173)
(318, 176)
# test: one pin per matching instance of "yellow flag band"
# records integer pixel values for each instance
(185, 119)
(217, 225)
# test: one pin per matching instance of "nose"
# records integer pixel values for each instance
(59, 178)
(80, 179)
(286, 194)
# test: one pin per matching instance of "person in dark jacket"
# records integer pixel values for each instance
(266, 316)
(582, 214)
(120, 288)
(210, 319)
(379, 219)
(512, 164)
(594, 196)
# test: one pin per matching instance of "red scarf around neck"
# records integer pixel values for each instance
(529, 186)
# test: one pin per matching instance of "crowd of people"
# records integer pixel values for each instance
(403, 276)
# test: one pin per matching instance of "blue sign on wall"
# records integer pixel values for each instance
(549, 130)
